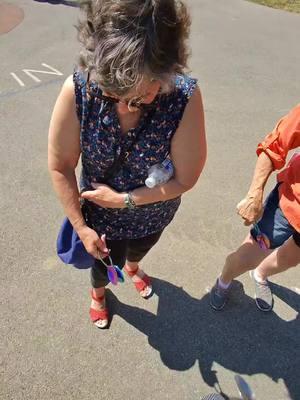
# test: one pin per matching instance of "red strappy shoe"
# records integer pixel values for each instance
(142, 284)
(99, 317)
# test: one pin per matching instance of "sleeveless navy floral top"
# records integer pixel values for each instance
(149, 143)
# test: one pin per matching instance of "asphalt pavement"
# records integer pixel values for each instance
(247, 60)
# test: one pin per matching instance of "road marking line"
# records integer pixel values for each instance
(21, 83)
(56, 71)
(52, 71)
(9, 93)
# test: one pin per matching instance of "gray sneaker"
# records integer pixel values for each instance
(219, 296)
(263, 295)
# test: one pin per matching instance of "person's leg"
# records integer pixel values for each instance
(279, 233)
(137, 249)
(99, 280)
(245, 258)
(273, 227)
(283, 258)
(270, 232)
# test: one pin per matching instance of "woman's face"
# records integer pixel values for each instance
(144, 93)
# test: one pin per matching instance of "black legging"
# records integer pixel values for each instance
(121, 250)
(296, 237)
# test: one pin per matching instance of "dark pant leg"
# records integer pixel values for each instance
(118, 250)
(273, 225)
(138, 248)
(296, 237)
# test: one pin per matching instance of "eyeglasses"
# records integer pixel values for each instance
(132, 104)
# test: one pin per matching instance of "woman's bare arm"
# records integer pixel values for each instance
(251, 207)
(63, 156)
(188, 154)
(64, 152)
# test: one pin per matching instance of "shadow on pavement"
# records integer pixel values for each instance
(240, 338)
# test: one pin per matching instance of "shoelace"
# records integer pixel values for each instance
(263, 287)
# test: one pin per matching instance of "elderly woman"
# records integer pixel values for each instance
(127, 107)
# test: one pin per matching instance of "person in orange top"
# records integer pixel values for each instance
(273, 244)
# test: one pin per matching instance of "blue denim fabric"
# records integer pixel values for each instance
(273, 223)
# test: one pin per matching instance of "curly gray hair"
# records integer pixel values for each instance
(126, 40)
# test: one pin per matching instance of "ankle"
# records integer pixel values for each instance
(98, 293)
(224, 284)
(131, 266)
(133, 271)
(259, 277)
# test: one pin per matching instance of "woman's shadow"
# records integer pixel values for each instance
(241, 338)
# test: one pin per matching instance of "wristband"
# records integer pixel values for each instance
(129, 202)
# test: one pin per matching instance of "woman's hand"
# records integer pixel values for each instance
(104, 196)
(251, 207)
(93, 244)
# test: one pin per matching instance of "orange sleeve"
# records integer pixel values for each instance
(284, 137)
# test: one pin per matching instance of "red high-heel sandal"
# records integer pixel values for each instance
(144, 283)
(99, 317)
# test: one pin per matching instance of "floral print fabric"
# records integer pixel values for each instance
(149, 143)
